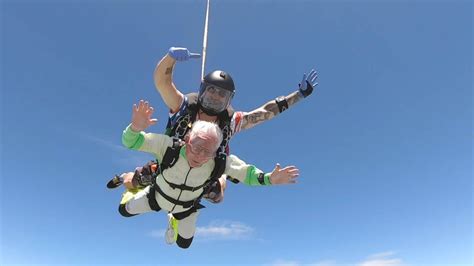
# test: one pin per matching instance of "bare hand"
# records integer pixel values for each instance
(286, 175)
(127, 180)
(141, 116)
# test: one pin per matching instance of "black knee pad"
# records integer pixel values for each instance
(123, 211)
(183, 242)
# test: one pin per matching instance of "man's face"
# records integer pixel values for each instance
(215, 98)
(200, 149)
(217, 94)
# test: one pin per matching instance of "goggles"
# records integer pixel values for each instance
(214, 98)
(199, 150)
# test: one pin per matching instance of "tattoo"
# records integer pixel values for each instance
(264, 113)
(169, 70)
(257, 117)
(268, 111)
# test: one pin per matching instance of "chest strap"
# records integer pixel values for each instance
(184, 204)
(183, 186)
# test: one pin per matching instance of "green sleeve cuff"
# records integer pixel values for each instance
(132, 139)
(253, 176)
(267, 179)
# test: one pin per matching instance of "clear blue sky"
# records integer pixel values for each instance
(384, 145)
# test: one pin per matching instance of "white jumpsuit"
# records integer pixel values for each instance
(181, 174)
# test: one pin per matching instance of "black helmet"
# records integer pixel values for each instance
(216, 92)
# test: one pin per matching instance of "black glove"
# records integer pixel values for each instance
(308, 83)
(212, 192)
(144, 175)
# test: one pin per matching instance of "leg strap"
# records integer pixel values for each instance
(181, 215)
(152, 199)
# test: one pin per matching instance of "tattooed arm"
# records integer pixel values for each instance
(280, 104)
(163, 77)
(269, 110)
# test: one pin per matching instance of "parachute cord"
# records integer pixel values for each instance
(204, 41)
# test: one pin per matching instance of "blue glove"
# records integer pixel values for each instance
(182, 54)
(308, 83)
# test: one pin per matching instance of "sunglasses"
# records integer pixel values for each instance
(198, 150)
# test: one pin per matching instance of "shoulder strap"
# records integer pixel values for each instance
(226, 116)
(225, 126)
(171, 155)
(220, 160)
(219, 167)
(185, 119)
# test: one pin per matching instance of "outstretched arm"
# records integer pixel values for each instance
(163, 76)
(268, 110)
(251, 175)
(280, 104)
(133, 137)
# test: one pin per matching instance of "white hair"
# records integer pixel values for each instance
(207, 129)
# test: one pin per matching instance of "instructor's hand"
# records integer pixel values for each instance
(308, 83)
(182, 54)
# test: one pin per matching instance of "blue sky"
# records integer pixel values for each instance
(384, 145)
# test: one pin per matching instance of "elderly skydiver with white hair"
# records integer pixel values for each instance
(184, 170)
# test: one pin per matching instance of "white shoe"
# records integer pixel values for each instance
(171, 233)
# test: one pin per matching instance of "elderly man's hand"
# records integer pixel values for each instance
(141, 116)
(285, 175)
(127, 180)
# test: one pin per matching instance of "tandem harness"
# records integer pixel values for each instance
(147, 175)
(185, 121)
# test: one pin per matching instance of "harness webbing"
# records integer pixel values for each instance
(183, 186)
(184, 204)
(152, 199)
